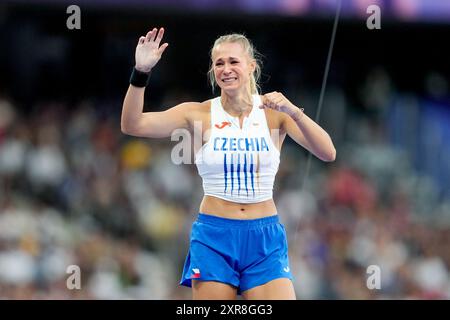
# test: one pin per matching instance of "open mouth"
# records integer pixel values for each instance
(231, 79)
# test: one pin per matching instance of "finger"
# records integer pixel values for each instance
(159, 36)
(147, 36)
(273, 105)
(150, 34)
(154, 34)
(278, 100)
(162, 48)
(141, 40)
(272, 95)
(274, 100)
(267, 100)
(268, 103)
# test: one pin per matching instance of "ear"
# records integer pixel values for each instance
(252, 65)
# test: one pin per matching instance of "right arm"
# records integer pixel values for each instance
(150, 124)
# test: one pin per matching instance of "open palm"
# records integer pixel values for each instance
(148, 50)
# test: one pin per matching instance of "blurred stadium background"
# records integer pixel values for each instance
(74, 190)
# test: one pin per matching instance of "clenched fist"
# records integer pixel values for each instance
(277, 101)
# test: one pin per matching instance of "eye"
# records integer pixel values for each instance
(219, 64)
(234, 62)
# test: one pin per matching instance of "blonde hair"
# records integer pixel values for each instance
(249, 49)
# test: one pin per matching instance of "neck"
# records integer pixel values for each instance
(237, 105)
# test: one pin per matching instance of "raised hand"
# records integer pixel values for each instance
(277, 101)
(148, 51)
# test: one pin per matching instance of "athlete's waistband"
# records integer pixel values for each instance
(237, 223)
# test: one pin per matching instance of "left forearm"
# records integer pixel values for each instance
(305, 131)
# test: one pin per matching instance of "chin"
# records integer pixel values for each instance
(230, 89)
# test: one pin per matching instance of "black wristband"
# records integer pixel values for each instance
(140, 79)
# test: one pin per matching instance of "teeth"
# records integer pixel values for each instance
(228, 80)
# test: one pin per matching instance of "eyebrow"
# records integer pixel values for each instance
(230, 58)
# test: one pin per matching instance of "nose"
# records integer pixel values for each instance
(226, 68)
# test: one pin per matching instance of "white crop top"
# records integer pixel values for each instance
(238, 165)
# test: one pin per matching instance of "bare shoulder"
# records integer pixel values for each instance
(190, 108)
(198, 111)
(204, 106)
(198, 108)
(194, 106)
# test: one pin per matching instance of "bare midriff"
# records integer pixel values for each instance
(232, 210)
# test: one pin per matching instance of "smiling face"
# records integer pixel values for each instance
(232, 67)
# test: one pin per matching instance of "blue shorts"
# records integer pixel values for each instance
(242, 253)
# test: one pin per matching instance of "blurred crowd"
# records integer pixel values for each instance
(74, 190)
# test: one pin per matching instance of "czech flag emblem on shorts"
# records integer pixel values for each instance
(195, 273)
